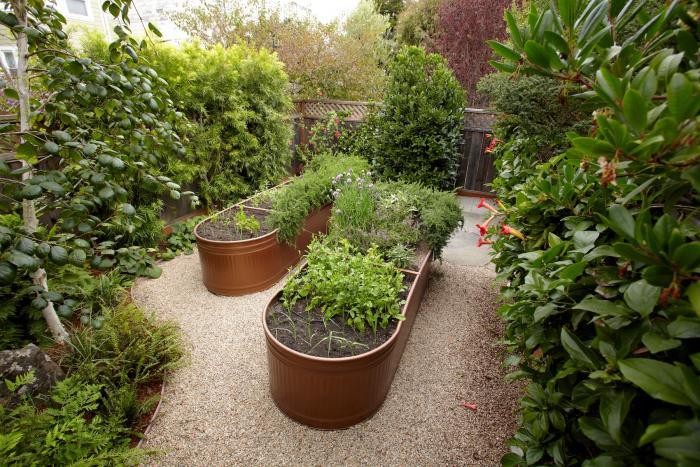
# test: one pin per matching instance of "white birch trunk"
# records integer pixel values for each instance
(31, 222)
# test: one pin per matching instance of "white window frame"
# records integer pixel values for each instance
(63, 8)
(11, 49)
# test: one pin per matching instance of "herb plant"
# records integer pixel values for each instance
(341, 281)
(245, 223)
(310, 191)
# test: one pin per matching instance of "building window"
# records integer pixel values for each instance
(10, 59)
(77, 7)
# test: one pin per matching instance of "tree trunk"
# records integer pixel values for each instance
(31, 222)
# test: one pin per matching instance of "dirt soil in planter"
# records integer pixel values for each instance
(224, 229)
(262, 203)
(308, 333)
(218, 409)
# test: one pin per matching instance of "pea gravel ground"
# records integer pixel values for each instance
(217, 410)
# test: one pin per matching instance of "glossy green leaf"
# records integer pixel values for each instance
(579, 351)
(659, 379)
(642, 297)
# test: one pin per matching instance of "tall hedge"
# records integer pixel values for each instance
(415, 135)
(236, 98)
(600, 247)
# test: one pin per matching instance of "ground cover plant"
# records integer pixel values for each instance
(415, 134)
(599, 243)
(88, 417)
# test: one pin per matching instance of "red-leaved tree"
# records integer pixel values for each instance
(462, 29)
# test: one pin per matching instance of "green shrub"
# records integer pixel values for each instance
(416, 135)
(236, 99)
(67, 432)
(340, 280)
(601, 300)
(312, 190)
(392, 214)
(130, 348)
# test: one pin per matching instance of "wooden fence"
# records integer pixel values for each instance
(475, 169)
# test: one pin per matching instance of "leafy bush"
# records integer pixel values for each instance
(341, 281)
(67, 432)
(130, 348)
(236, 99)
(416, 25)
(415, 136)
(334, 60)
(311, 191)
(87, 418)
(602, 289)
(182, 238)
(392, 215)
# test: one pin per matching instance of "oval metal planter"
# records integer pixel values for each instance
(336, 393)
(241, 267)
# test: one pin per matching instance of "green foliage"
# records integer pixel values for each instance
(143, 228)
(182, 238)
(312, 190)
(416, 25)
(415, 136)
(246, 223)
(334, 60)
(341, 281)
(602, 297)
(325, 136)
(87, 418)
(236, 99)
(67, 432)
(391, 214)
(130, 348)
(99, 128)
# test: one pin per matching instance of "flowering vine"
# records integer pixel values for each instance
(504, 230)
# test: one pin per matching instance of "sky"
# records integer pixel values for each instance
(328, 10)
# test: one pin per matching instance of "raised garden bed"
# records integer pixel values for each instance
(336, 393)
(242, 266)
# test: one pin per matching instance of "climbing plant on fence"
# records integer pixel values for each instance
(111, 130)
(600, 245)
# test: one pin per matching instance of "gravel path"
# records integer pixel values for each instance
(217, 410)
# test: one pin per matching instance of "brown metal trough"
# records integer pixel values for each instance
(336, 393)
(242, 267)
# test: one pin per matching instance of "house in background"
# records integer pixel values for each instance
(80, 15)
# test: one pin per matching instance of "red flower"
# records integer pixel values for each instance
(469, 406)
(508, 230)
(483, 229)
(484, 204)
(336, 134)
(482, 242)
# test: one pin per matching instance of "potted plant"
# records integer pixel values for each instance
(251, 245)
(336, 333)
